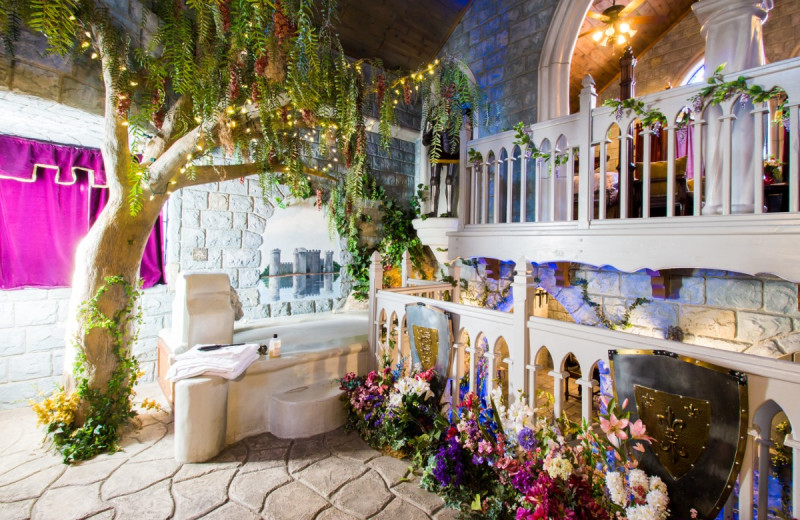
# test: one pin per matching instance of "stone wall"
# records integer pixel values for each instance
(501, 43)
(719, 309)
(32, 339)
(74, 82)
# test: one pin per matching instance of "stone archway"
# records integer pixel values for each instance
(556, 58)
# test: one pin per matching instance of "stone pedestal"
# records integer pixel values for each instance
(433, 232)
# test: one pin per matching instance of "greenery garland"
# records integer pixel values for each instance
(108, 411)
(623, 323)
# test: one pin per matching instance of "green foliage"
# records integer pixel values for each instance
(105, 410)
(524, 139)
(137, 175)
(718, 90)
(652, 118)
(609, 323)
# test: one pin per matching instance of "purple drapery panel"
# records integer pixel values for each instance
(49, 197)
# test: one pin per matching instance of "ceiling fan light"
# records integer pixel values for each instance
(597, 35)
(610, 30)
(621, 40)
(624, 27)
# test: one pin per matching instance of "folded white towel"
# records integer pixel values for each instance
(227, 362)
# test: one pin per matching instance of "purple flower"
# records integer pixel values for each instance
(697, 103)
(786, 123)
(618, 113)
(526, 439)
(451, 454)
(744, 99)
(657, 128)
(528, 153)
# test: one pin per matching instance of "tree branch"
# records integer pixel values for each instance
(218, 173)
(156, 146)
(116, 150)
(163, 169)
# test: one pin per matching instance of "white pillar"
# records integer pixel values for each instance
(733, 33)
(558, 391)
(375, 284)
(587, 388)
(794, 443)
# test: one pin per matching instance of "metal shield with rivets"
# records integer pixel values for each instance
(697, 414)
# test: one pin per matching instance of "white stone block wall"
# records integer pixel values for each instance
(725, 310)
(32, 339)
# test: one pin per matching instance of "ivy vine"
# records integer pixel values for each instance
(105, 411)
(607, 322)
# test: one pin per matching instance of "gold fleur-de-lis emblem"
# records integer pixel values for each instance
(692, 410)
(648, 399)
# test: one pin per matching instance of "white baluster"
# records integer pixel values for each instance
(570, 184)
(509, 190)
(794, 165)
(601, 194)
(697, 161)
(794, 443)
(485, 194)
(523, 189)
(646, 133)
(558, 391)
(624, 210)
(758, 166)
(727, 139)
(670, 170)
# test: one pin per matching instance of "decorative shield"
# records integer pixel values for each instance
(430, 333)
(697, 414)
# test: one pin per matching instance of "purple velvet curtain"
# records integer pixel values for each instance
(50, 195)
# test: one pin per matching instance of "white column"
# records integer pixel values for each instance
(558, 391)
(588, 101)
(746, 478)
(794, 443)
(375, 284)
(523, 288)
(587, 387)
(763, 445)
(733, 33)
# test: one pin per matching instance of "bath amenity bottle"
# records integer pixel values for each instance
(274, 346)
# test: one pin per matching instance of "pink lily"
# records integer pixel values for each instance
(639, 431)
(614, 428)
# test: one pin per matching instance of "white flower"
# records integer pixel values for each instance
(639, 483)
(658, 499)
(422, 388)
(643, 512)
(616, 487)
(396, 400)
(558, 467)
(404, 386)
(657, 483)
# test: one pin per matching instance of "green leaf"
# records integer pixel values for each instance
(476, 503)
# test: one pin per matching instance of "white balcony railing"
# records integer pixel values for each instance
(512, 344)
(570, 210)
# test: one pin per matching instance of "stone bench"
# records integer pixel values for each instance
(307, 410)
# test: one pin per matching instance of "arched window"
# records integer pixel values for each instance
(697, 74)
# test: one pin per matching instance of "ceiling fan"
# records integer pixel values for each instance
(618, 23)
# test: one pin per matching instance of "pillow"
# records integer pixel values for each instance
(658, 169)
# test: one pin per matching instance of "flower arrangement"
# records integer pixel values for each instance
(773, 171)
(390, 410)
(498, 461)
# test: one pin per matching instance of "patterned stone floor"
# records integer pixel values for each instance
(328, 477)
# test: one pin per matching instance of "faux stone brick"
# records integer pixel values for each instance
(12, 341)
(248, 296)
(241, 203)
(233, 277)
(765, 349)
(734, 293)
(256, 223)
(703, 321)
(233, 186)
(241, 258)
(279, 309)
(29, 366)
(150, 326)
(194, 199)
(249, 277)
(58, 363)
(217, 219)
(780, 297)
(214, 260)
(251, 240)
(13, 395)
(302, 307)
(790, 343)
(78, 95)
(25, 295)
(602, 282)
(192, 238)
(692, 290)
(656, 314)
(757, 327)
(218, 201)
(200, 254)
(635, 285)
(6, 315)
(239, 220)
(190, 218)
(35, 313)
(223, 239)
(3, 370)
(261, 209)
(324, 305)
(45, 338)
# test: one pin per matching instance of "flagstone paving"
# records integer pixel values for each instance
(334, 476)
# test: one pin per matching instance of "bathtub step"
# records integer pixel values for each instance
(307, 410)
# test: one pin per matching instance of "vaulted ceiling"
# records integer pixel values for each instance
(601, 62)
(402, 33)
